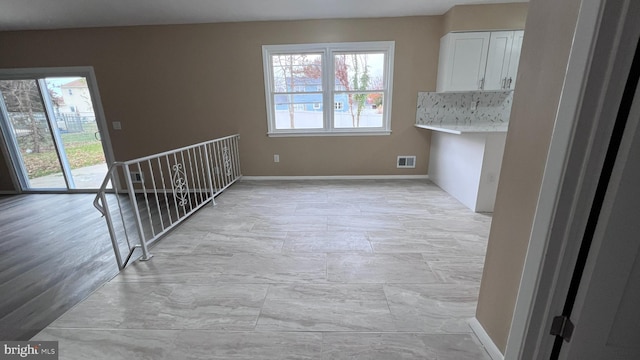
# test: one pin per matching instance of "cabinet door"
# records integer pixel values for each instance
(514, 59)
(497, 72)
(463, 58)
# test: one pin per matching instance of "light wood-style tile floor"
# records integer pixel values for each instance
(297, 270)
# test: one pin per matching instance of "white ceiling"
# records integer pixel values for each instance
(57, 14)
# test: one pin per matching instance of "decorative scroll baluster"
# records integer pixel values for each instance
(180, 185)
(226, 158)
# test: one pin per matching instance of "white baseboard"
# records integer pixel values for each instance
(485, 339)
(338, 177)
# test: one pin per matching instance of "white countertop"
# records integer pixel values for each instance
(466, 129)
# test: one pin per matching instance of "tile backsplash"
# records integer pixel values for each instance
(463, 108)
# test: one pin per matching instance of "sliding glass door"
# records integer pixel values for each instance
(52, 132)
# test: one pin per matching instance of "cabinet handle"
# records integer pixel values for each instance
(509, 83)
(504, 83)
(481, 84)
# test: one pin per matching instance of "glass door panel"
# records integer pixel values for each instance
(32, 134)
(75, 120)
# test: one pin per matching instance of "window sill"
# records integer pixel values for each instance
(330, 133)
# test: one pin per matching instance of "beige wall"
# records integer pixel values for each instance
(485, 17)
(548, 37)
(170, 86)
(174, 85)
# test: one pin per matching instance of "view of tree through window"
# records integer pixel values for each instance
(297, 87)
(328, 87)
(359, 79)
(23, 104)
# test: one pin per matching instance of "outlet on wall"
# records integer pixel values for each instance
(136, 177)
(276, 158)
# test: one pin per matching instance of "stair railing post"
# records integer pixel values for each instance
(112, 232)
(134, 204)
(210, 175)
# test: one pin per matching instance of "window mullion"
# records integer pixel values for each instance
(328, 90)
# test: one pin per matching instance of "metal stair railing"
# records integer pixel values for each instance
(142, 199)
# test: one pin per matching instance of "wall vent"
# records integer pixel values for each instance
(406, 162)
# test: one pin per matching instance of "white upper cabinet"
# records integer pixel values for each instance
(479, 61)
(462, 61)
(502, 60)
(514, 60)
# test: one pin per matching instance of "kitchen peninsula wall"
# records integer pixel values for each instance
(467, 142)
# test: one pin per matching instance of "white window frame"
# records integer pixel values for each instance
(327, 51)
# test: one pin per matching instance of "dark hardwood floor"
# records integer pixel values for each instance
(54, 252)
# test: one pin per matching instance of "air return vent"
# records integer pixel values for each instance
(406, 162)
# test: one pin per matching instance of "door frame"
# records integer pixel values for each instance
(33, 73)
(599, 63)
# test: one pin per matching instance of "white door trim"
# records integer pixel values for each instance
(596, 76)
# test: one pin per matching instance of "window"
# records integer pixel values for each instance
(348, 85)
